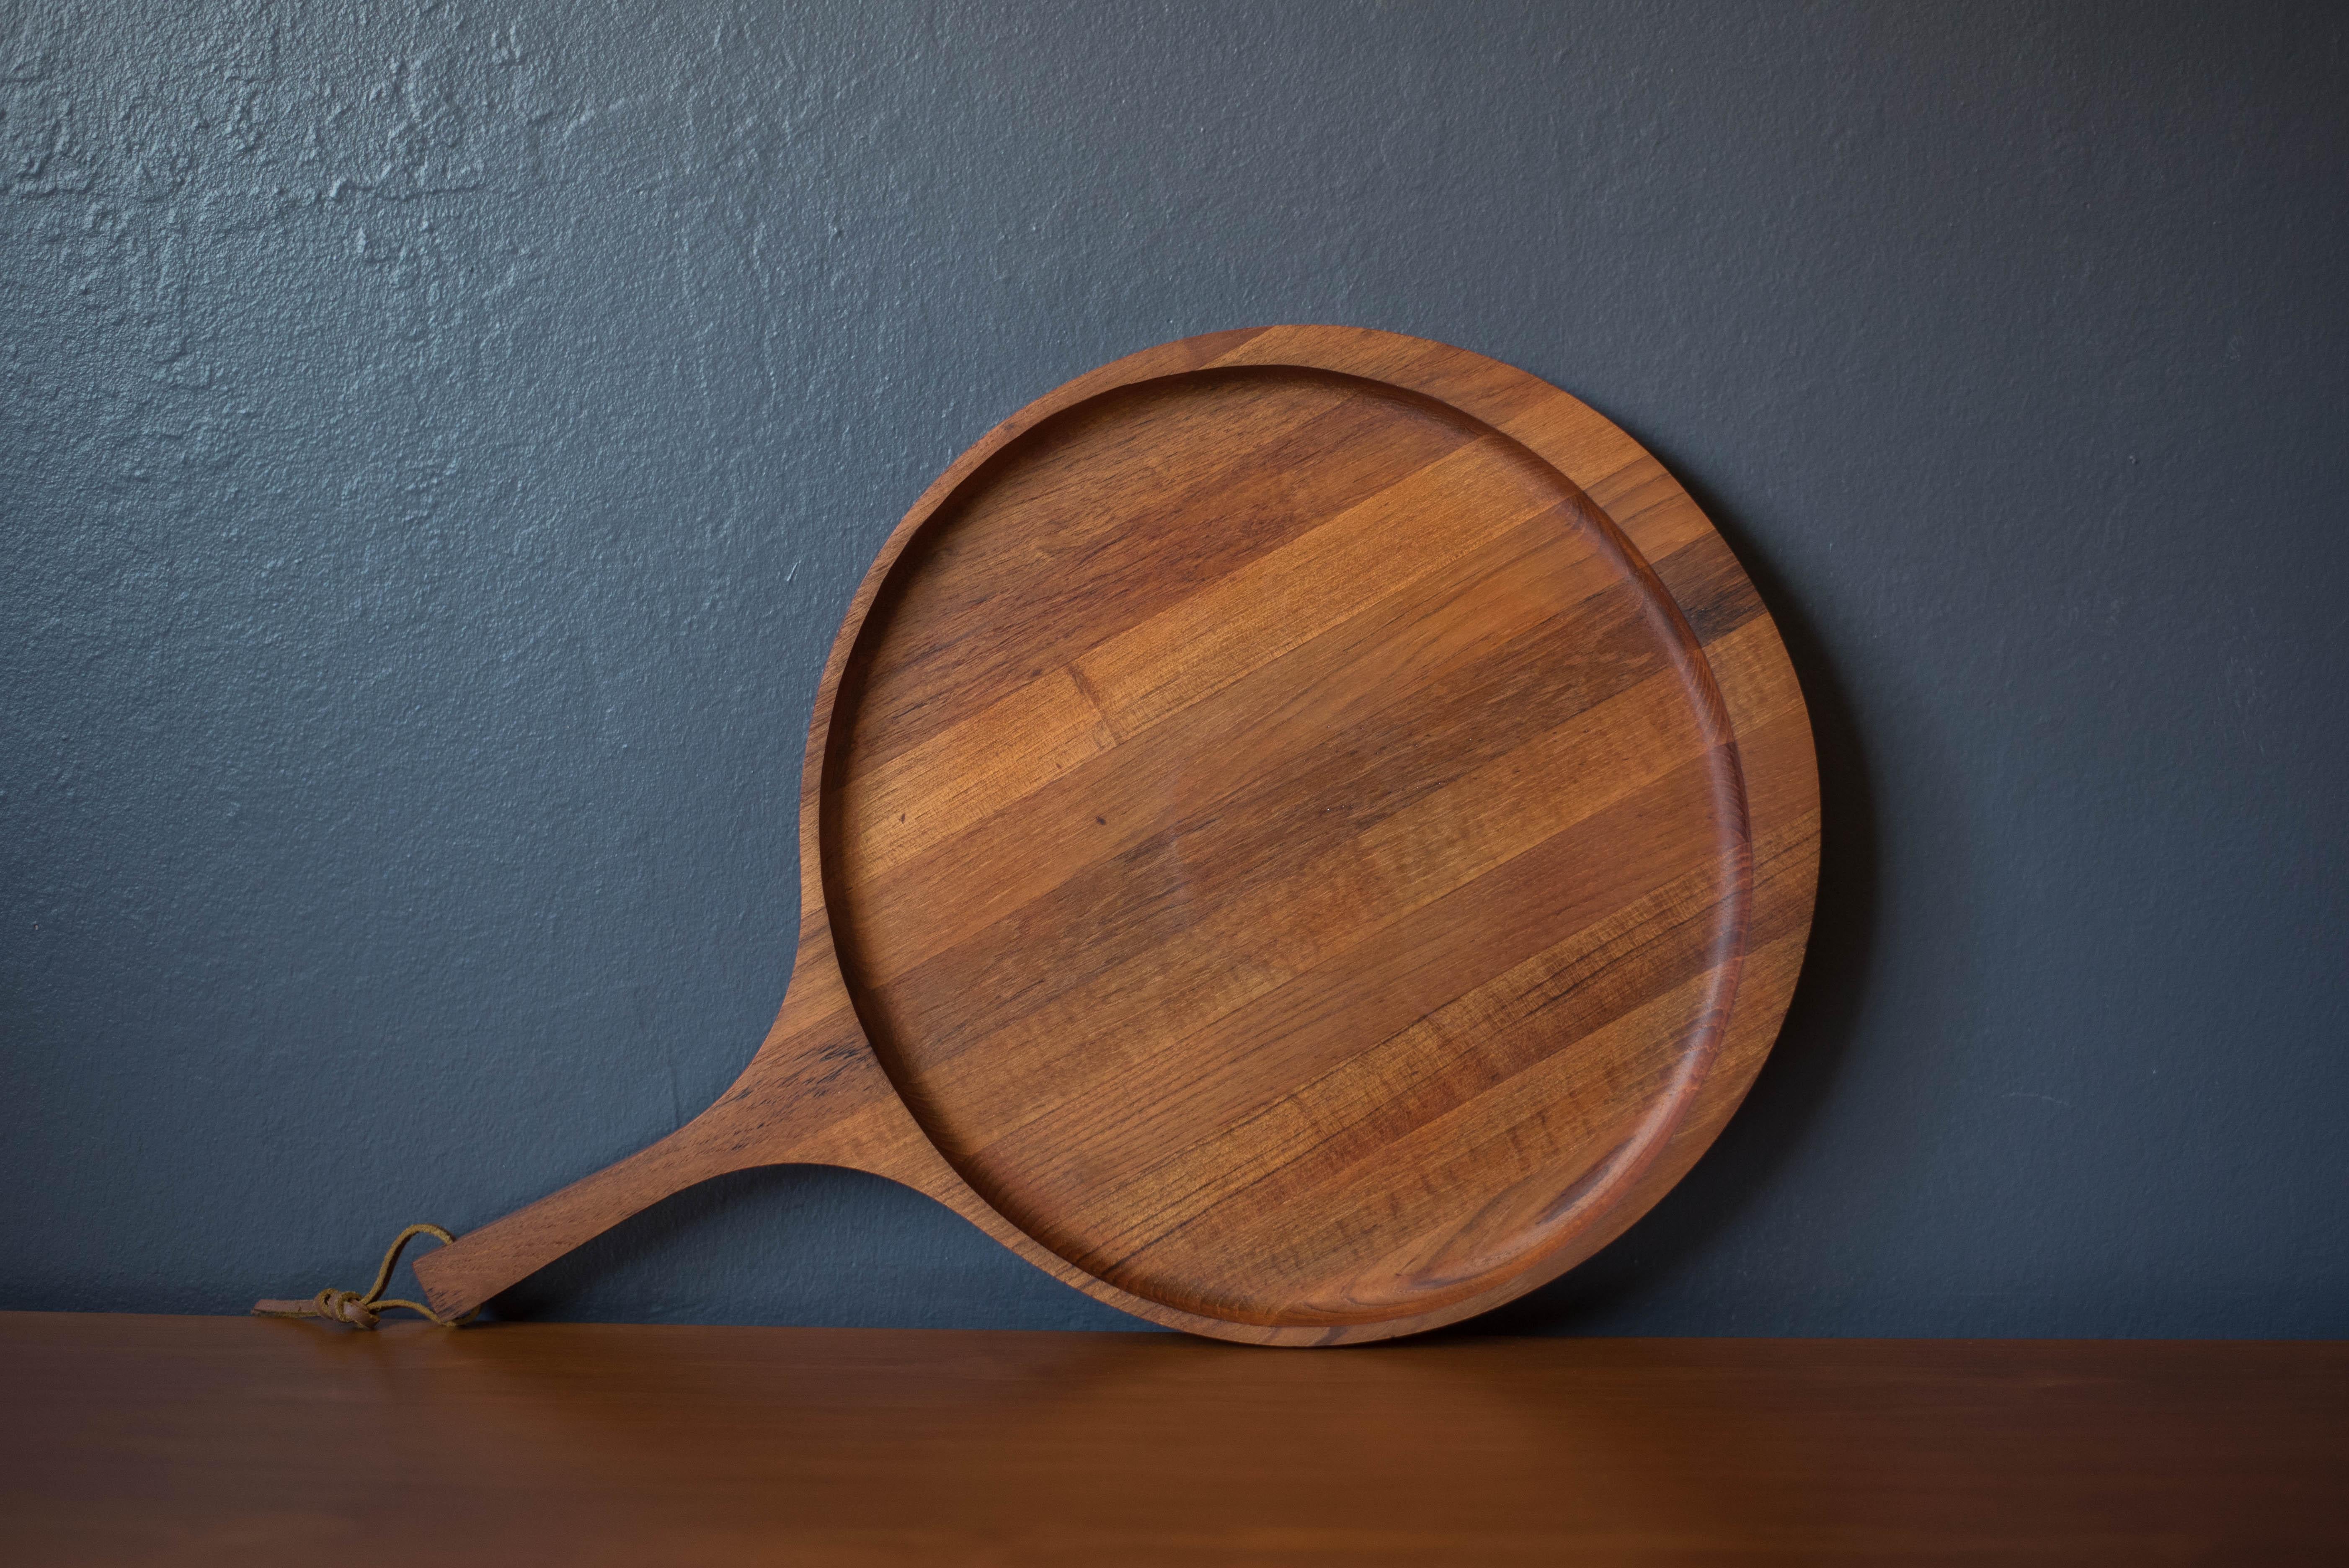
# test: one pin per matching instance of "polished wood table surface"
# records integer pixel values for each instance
(204, 1440)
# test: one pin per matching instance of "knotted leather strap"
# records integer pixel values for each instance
(360, 1309)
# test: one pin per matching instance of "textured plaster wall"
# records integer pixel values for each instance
(440, 441)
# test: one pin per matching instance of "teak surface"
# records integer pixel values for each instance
(193, 1441)
(1306, 834)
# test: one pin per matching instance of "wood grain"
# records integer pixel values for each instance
(1306, 834)
(192, 1441)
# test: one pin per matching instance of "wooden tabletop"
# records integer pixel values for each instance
(200, 1441)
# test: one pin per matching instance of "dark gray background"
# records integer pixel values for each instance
(440, 443)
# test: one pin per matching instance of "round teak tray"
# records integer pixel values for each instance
(1306, 834)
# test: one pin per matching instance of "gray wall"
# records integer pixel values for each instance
(440, 443)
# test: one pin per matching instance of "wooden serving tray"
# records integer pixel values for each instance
(1306, 834)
